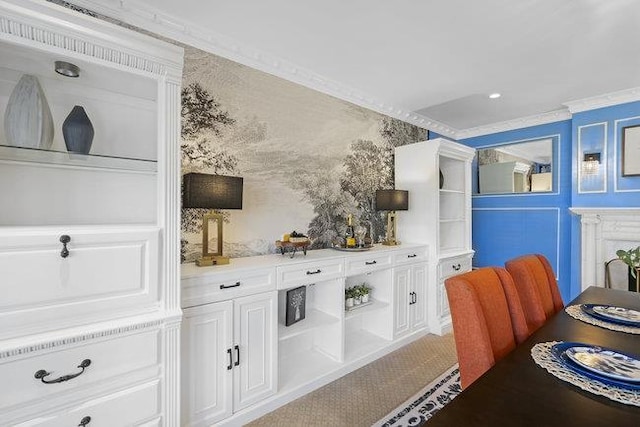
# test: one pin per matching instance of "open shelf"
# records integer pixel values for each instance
(358, 310)
(65, 159)
(303, 367)
(361, 343)
(313, 319)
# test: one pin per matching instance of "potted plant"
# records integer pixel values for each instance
(631, 257)
(348, 297)
(364, 292)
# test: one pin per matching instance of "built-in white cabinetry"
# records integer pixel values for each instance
(437, 174)
(89, 314)
(240, 309)
(229, 357)
(410, 298)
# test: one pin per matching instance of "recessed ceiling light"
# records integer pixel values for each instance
(495, 95)
(67, 69)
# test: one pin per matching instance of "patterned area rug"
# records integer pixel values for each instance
(426, 402)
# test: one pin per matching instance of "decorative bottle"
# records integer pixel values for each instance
(350, 235)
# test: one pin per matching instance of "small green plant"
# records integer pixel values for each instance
(630, 257)
(350, 293)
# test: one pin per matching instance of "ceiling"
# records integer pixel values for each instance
(429, 62)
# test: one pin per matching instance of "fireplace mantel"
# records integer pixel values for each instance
(603, 231)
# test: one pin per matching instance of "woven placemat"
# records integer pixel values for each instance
(576, 312)
(541, 354)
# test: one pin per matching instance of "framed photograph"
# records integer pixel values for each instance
(296, 301)
(631, 151)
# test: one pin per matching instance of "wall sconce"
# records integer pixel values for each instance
(201, 190)
(591, 163)
(392, 201)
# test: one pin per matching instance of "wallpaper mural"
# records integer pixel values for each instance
(308, 160)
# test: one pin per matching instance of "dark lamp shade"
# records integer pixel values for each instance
(392, 200)
(200, 190)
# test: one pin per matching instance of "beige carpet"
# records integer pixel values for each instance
(364, 396)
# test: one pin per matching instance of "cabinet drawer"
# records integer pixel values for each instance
(309, 272)
(418, 254)
(365, 263)
(108, 272)
(451, 266)
(121, 357)
(132, 406)
(221, 286)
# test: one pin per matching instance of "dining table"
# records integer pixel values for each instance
(516, 391)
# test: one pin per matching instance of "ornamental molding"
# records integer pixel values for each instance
(79, 338)
(605, 100)
(37, 24)
(524, 122)
(151, 19)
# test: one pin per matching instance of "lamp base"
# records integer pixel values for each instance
(207, 261)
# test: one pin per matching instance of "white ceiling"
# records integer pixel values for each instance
(431, 62)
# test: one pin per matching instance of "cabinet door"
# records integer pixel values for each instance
(255, 348)
(401, 300)
(419, 287)
(207, 365)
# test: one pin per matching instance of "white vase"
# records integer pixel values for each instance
(27, 119)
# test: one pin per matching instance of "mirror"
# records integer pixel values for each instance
(522, 167)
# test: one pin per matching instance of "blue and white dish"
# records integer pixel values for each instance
(613, 314)
(629, 379)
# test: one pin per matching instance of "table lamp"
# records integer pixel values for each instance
(200, 190)
(391, 201)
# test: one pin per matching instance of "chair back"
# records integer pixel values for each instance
(616, 274)
(537, 287)
(488, 321)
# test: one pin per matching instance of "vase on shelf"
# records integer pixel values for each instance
(78, 131)
(27, 119)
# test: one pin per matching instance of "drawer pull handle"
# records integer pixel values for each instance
(42, 374)
(370, 263)
(456, 267)
(230, 367)
(237, 355)
(412, 256)
(314, 272)
(64, 239)
(235, 285)
(84, 421)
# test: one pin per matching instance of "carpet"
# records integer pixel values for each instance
(426, 402)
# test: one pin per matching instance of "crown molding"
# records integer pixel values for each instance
(524, 122)
(153, 20)
(605, 100)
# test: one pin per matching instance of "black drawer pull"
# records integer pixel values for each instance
(64, 239)
(370, 262)
(42, 374)
(412, 256)
(456, 267)
(235, 285)
(237, 355)
(84, 421)
(314, 272)
(230, 367)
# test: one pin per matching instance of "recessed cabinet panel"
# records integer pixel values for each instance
(52, 276)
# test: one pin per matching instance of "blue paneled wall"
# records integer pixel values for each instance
(505, 226)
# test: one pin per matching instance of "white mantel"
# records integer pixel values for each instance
(603, 231)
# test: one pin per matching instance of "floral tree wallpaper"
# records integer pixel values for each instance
(308, 160)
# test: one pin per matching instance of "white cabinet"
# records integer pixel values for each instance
(410, 298)
(437, 174)
(229, 357)
(89, 249)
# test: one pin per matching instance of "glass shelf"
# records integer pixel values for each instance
(64, 158)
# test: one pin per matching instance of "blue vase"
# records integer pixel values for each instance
(78, 131)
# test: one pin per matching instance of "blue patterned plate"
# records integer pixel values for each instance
(613, 314)
(562, 353)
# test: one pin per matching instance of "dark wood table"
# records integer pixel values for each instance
(518, 392)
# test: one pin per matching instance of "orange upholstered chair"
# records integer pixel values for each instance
(488, 321)
(537, 287)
